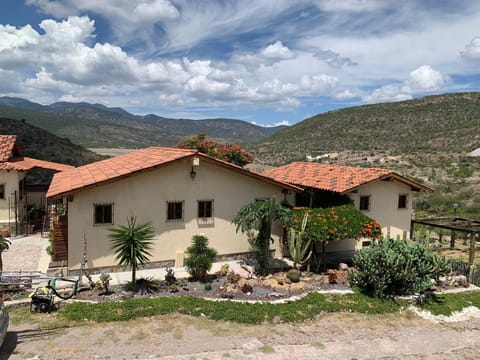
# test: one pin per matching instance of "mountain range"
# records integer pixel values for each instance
(427, 139)
(96, 125)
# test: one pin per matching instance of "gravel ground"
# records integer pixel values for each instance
(349, 336)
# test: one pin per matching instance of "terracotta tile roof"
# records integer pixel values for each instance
(335, 178)
(11, 157)
(8, 147)
(26, 163)
(120, 166)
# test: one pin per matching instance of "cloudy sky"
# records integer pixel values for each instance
(263, 61)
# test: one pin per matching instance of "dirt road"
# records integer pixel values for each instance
(344, 336)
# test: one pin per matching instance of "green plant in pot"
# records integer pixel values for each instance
(300, 249)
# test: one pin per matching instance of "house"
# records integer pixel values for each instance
(16, 196)
(182, 192)
(381, 194)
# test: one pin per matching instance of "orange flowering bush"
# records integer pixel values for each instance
(227, 152)
(336, 223)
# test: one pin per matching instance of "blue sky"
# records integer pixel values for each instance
(262, 61)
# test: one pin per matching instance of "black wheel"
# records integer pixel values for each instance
(44, 307)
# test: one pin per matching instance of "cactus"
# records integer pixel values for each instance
(299, 248)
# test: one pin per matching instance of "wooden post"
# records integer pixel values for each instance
(324, 255)
(471, 255)
(452, 240)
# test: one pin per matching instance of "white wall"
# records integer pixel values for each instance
(384, 206)
(10, 179)
(145, 196)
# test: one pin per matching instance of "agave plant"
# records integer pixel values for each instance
(300, 249)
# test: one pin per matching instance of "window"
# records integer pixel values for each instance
(174, 210)
(402, 201)
(205, 208)
(103, 214)
(2, 191)
(364, 203)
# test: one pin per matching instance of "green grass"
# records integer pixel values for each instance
(306, 308)
(449, 303)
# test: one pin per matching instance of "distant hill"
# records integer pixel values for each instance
(441, 123)
(95, 125)
(41, 144)
(428, 139)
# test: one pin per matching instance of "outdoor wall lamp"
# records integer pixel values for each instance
(195, 162)
(193, 173)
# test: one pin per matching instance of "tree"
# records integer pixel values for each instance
(132, 243)
(334, 224)
(227, 152)
(4, 245)
(200, 257)
(259, 216)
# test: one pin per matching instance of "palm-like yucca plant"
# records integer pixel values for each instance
(259, 216)
(132, 243)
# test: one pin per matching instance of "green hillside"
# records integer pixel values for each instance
(97, 126)
(427, 139)
(446, 123)
(41, 144)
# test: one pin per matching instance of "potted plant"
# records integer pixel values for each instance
(5, 231)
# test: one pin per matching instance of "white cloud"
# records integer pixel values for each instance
(268, 56)
(351, 5)
(424, 78)
(334, 59)
(279, 123)
(387, 93)
(472, 50)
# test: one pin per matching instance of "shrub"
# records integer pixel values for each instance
(200, 257)
(388, 268)
(170, 277)
(146, 285)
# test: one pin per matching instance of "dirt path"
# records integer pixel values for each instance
(348, 336)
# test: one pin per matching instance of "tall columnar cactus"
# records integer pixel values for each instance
(299, 248)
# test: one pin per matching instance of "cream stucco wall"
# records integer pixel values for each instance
(11, 180)
(384, 206)
(145, 196)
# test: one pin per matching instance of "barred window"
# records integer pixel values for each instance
(103, 214)
(174, 210)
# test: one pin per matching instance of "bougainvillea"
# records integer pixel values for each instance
(227, 152)
(336, 223)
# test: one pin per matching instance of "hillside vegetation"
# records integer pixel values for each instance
(41, 144)
(446, 123)
(427, 139)
(98, 126)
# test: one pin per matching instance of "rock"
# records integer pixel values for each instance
(332, 276)
(274, 294)
(437, 244)
(252, 282)
(343, 266)
(288, 281)
(270, 282)
(241, 282)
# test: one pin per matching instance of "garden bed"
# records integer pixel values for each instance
(231, 286)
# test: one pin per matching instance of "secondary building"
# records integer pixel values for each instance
(381, 194)
(21, 204)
